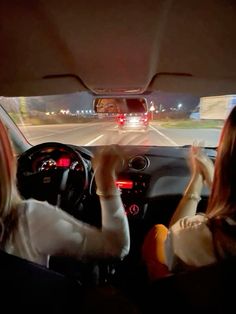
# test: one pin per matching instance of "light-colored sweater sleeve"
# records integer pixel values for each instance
(189, 242)
(54, 232)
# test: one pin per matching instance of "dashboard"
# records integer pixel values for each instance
(152, 182)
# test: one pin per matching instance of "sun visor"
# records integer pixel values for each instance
(46, 86)
(193, 85)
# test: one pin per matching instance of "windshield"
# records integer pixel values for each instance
(170, 120)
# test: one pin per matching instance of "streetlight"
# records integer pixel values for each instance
(152, 108)
(179, 106)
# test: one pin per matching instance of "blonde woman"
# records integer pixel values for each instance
(194, 240)
(34, 230)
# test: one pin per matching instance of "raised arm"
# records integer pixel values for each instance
(202, 171)
(54, 232)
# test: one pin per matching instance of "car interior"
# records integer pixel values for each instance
(121, 49)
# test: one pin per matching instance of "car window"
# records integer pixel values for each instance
(170, 120)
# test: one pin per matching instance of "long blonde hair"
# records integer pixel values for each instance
(9, 197)
(222, 201)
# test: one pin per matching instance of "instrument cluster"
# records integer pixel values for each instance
(62, 162)
(52, 159)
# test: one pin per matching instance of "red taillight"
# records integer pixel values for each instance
(121, 119)
(145, 118)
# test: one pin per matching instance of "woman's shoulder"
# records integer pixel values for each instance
(190, 239)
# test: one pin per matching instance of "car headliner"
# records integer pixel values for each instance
(114, 47)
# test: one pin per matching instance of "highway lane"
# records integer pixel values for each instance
(100, 133)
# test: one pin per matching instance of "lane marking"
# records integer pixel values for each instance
(38, 137)
(26, 129)
(94, 140)
(163, 135)
(51, 134)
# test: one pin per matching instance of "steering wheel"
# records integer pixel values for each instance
(53, 172)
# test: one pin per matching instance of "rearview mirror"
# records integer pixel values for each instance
(120, 105)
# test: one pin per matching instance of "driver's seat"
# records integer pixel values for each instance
(29, 287)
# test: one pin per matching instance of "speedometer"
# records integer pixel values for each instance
(48, 165)
(77, 166)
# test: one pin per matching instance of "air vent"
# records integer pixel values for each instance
(139, 163)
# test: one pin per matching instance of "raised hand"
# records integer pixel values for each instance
(108, 161)
(202, 164)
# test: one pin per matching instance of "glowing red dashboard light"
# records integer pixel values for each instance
(63, 162)
(124, 184)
